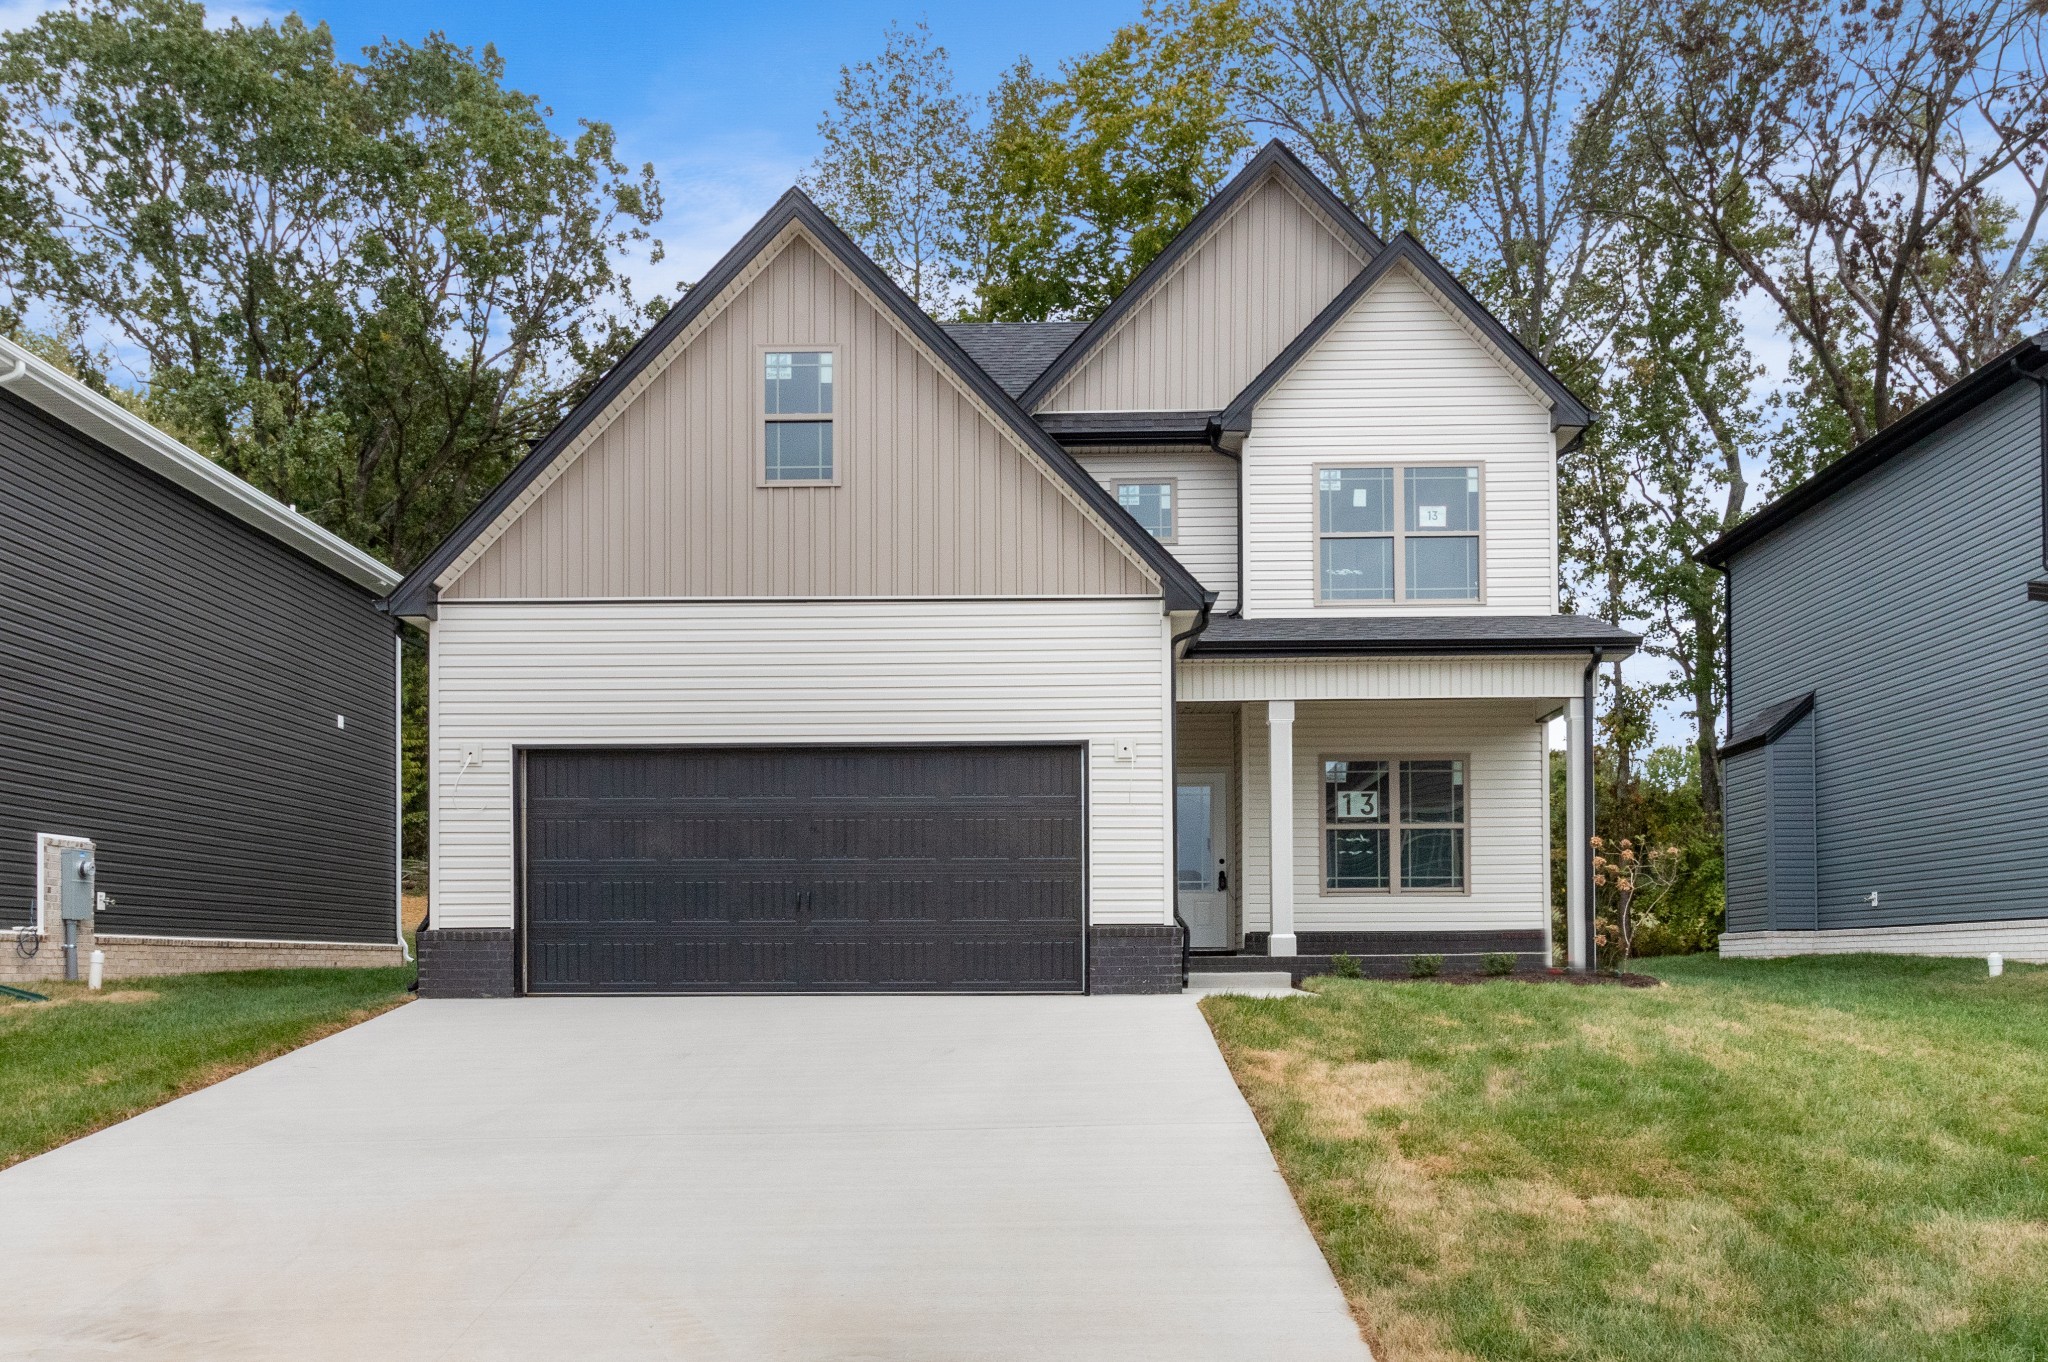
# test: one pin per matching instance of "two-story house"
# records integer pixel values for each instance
(825, 647)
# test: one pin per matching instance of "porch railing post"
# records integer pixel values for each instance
(1578, 885)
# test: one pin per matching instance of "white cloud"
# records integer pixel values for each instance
(713, 190)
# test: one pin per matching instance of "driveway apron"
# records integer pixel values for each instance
(901, 1178)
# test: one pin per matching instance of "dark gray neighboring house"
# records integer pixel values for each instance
(1887, 763)
(197, 680)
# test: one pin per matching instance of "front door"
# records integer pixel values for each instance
(1201, 859)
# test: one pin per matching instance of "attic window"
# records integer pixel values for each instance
(797, 417)
(1151, 505)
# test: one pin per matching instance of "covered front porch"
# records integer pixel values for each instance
(1382, 807)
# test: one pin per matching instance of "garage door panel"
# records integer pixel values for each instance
(840, 869)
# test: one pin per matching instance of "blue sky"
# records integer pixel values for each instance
(724, 99)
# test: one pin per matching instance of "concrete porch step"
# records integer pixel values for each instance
(1257, 984)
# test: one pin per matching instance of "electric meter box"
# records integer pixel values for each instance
(75, 884)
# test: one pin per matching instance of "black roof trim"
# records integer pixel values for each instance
(2027, 358)
(1565, 408)
(1409, 635)
(415, 596)
(1273, 158)
(1768, 725)
(1130, 427)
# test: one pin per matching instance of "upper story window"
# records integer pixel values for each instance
(1151, 504)
(797, 416)
(1397, 534)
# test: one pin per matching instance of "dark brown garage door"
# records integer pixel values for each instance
(846, 869)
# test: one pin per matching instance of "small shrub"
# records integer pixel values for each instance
(1498, 963)
(1345, 966)
(1425, 966)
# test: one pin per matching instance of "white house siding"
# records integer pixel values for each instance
(1384, 678)
(1206, 516)
(1506, 813)
(1401, 379)
(779, 671)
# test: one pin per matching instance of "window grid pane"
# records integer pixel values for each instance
(1387, 822)
(1150, 504)
(798, 382)
(799, 451)
(1430, 551)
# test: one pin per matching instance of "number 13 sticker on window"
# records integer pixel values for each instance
(1358, 803)
(1432, 517)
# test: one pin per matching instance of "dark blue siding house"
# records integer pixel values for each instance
(1886, 783)
(200, 697)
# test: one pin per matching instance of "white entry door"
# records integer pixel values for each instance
(1201, 859)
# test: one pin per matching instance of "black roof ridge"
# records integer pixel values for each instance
(417, 595)
(1282, 636)
(1405, 248)
(1275, 158)
(1768, 725)
(1958, 400)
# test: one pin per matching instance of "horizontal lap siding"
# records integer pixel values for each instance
(1381, 678)
(1901, 601)
(1506, 814)
(1235, 301)
(1401, 379)
(172, 679)
(652, 674)
(1205, 517)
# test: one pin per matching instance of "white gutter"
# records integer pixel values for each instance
(67, 400)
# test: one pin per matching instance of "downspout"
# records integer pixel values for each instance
(398, 743)
(20, 367)
(2041, 387)
(1591, 804)
(1173, 644)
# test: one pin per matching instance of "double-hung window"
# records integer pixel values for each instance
(1397, 534)
(1151, 505)
(797, 417)
(1388, 823)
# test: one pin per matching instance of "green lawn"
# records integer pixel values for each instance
(85, 1060)
(1837, 1158)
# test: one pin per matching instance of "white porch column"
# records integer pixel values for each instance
(1578, 886)
(1280, 822)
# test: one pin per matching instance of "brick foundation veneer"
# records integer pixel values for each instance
(1133, 959)
(1386, 955)
(466, 962)
(135, 957)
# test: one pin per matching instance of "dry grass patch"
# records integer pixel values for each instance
(1830, 1159)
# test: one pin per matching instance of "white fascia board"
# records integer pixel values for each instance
(64, 398)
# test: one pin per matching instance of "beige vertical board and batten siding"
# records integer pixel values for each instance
(1402, 379)
(1234, 302)
(1508, 864)
(935, 497)
(629, 674)
(1206, 514)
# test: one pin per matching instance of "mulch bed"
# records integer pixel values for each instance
(1556, 976)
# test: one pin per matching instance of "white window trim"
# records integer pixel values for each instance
(1400, 533)
(762, 418)
(1172, 485)
(1393, 825)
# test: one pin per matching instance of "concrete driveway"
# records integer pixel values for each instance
(909, 1179)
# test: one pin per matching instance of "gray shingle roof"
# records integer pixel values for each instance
(1329, 635)
(1014, 353)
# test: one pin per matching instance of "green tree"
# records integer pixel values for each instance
(895, 163)
(1879, 174)
(364, 286)
(1081, 180)
(1366, 95)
